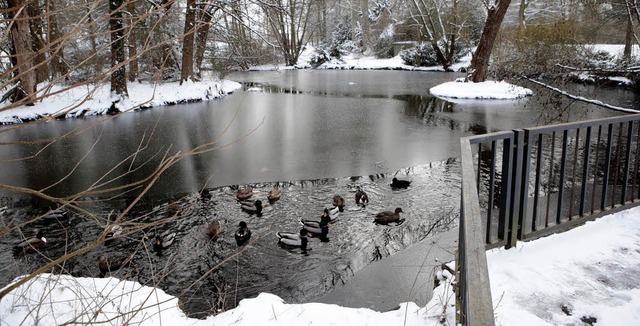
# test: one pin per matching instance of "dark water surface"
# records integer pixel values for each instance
(307, 132)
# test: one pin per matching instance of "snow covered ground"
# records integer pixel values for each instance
(97, 99)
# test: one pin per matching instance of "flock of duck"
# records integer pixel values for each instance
(310, 228)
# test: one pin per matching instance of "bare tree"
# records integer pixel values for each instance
(289, 20)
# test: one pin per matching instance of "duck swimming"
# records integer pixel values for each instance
(273, 195)
(173, 208)
(113, 263)
(55, 215)
(293, 240)
(250, 207)
(387, 217)
(163, 242)
(30, 245)
(244, 193)
(361, 197)
(338, 201)
(400, 184)
(334, 214)
(214, 229)
(112, 232)
(321, 228)
(243, 234)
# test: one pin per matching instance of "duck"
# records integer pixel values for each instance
(173, 208)
(387, 217)
(333, 213)
(293, 240)
(112, 232)
(30, 245)
(338, 201)
(361, 197)
(400, 184)
(214, 229)
(162, 242)
(273, 195)
(54, 215)
(244, 193)
(112, 263)
(252, 207)
(318, 228)
(243, 234)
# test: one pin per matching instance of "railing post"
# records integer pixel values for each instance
(516, 188)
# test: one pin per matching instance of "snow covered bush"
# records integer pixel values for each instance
(423, 55)
(383, 47)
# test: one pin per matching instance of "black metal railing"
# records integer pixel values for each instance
(528, 183)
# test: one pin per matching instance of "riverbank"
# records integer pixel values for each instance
(74, 102)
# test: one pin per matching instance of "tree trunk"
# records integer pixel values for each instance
(37, 41)
(364, 20)
(202, 34)
(58, 65)
(119, 71)
(188, 41)
(521, 18)
(21, 38)
(133, 42)
(480, 60)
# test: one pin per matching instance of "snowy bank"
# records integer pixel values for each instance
(97, 99)
(590, 273)
(486, 90)
(59, 299)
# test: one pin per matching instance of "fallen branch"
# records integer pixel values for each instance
(583, 99)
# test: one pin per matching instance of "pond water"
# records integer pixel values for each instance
(313, 134)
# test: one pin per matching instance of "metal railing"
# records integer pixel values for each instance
(528, 183)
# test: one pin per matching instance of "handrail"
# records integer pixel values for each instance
(475, 292)
(527, 183)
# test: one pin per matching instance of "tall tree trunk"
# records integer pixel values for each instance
(521, 18)
(480, 60)
(628, 40)
(133, 42)
(58, 65)
(118, 67)
(364, 20)
(202, 34)
(21, 38)
(37, 40)
(187, 42)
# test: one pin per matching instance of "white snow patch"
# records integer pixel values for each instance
(485, 90)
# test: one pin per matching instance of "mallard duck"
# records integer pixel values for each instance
(273, 195)
(243, 234)
(361, 197)
(163, 242)
(333, 213)
(173, 208)
(112, 263)
(30, 245)
(400, 184)
(338, 201)
(293, 240)
(112, 232)
(55, 215)
(244, 193)
(387, 217)
(318, 228)
(214, 229)
(252, 207)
